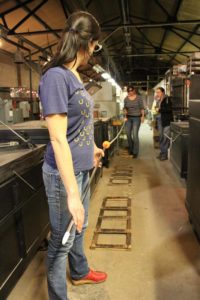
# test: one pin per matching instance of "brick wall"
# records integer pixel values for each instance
(8, 74)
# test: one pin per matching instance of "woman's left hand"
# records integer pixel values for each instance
(98, 154)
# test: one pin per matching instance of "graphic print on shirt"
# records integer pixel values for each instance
(85, 136)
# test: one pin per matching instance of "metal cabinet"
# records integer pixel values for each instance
(179, 147)
(24, 221)
(193, 182)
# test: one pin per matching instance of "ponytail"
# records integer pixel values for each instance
(81, 28)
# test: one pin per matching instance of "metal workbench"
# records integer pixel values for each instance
(24, 221)
(179, 147)
(193, 182)
(23, 212)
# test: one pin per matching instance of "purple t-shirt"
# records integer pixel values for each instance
(61, 92)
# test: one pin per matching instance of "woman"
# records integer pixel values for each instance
(134, 115)
(70, 154)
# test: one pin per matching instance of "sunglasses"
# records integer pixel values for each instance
(97, 48)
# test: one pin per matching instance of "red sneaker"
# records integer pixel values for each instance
(93, 277)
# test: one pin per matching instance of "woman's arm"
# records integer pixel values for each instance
(142, 115)
(141, 109)
(57, 126)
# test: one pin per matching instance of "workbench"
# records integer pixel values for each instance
(23, 206)
(24, 222)
(179, 147)
(193, 186)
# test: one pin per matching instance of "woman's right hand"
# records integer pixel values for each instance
(77, 211)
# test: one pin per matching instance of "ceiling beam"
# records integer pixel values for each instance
(115, 44)
(15, 8)
(152, 54)
(26, 8)
(10, 54)
(171, 18)
(143, 81)
(124, 11)
(140, 18)
(88, 3)
(66, 10)
(162, 8)
(117, 28)
(185, 42)
(44, 49)
(125, 17)
(150, 68)
(21, 41)
(30, 14)
(185, 39)
(4, 22)
(178, 7)
(146, 38)
(187, 31)
(153, 24)
(39, 32)
(15, 44)
(109, 21)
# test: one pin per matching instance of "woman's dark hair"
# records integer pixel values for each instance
(130, 87)
(81, 28)
(161, 89)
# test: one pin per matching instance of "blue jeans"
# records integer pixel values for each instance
(132, 129)
(59, 219)
(163, 140)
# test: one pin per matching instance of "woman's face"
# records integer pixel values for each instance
(131, 92)
(91, 48)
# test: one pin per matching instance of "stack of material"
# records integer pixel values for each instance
(193, 64)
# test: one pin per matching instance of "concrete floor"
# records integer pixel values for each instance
(164, 262)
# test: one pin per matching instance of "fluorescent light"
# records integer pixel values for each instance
(98, 68)
(112, 81)
(106, 75)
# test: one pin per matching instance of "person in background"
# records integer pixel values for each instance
(71, 153)
(134, 115)
(164, 115)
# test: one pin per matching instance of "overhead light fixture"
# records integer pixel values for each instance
(98, 68)
(44, 58)
(18, 57)
(129, 49)
(105, 75)
(112, 81)
(127, 34)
